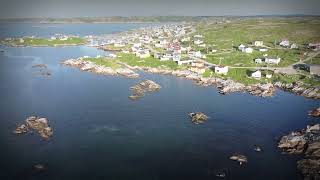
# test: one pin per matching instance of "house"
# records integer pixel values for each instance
(202, 45)
(197, 41)
(263, 50)
(284, 43)
(176, 57)
(185, 39)
(197, 54)
(53, 38)
(111, 55)
(185, 62)
(256, 74)
(64, 38)
(157, 55)
(314, 46)
(257, 43)
(258, 61)
(198, 36)
(248, 50)
(221, 69)
(21, 40)
(214, 50)
(164, 58)
(241, 47)
(271, 60)
(268, 76)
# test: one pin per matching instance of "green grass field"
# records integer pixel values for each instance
(230, 35)
(44, 42)
(104, 62)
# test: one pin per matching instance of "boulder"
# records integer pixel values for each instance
(198, 117)
(240, 158)
(315, 112)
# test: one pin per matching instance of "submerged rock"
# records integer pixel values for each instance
(220, 174)
(257, 148)
(39, 66)
(142, 87)
(39, 167)
(34, 123)
(315, 112)
(198, 117)
(240, 158)
(307, 142)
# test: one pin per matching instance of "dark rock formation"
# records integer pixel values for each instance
(307, 142)
(37, 124)
(198, 117)
(142, 87)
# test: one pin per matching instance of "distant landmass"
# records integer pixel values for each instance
(122, 19)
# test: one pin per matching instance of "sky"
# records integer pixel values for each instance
(103, 8)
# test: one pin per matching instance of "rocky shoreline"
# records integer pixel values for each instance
(225, 86)
(304, 142)
(99, 69)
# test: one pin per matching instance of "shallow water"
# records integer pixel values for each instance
(100, 134)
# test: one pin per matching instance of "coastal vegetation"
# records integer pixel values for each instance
(30, 41)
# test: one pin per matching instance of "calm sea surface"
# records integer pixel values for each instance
(100, 134)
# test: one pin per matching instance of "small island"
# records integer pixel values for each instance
(43, 42)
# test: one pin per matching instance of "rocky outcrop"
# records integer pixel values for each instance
(99, 69)
(142, 87)
(42, 69)
(198, 117)
(37, 124)
(240, 158)
(306, 142)
(299, 89)
(314, 112)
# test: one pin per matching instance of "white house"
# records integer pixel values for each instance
(257, 43)
(198, 36)
(263, 50)
(185, 39)
(248, 50)
(176, 57)
(258, 61)
(214, 50)
(184, 62)
(198, 41)
(284, 43)
(272, 60)
(241, 47)
(221, 69)
(269, 76)
(256, 74)
(197, 54)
